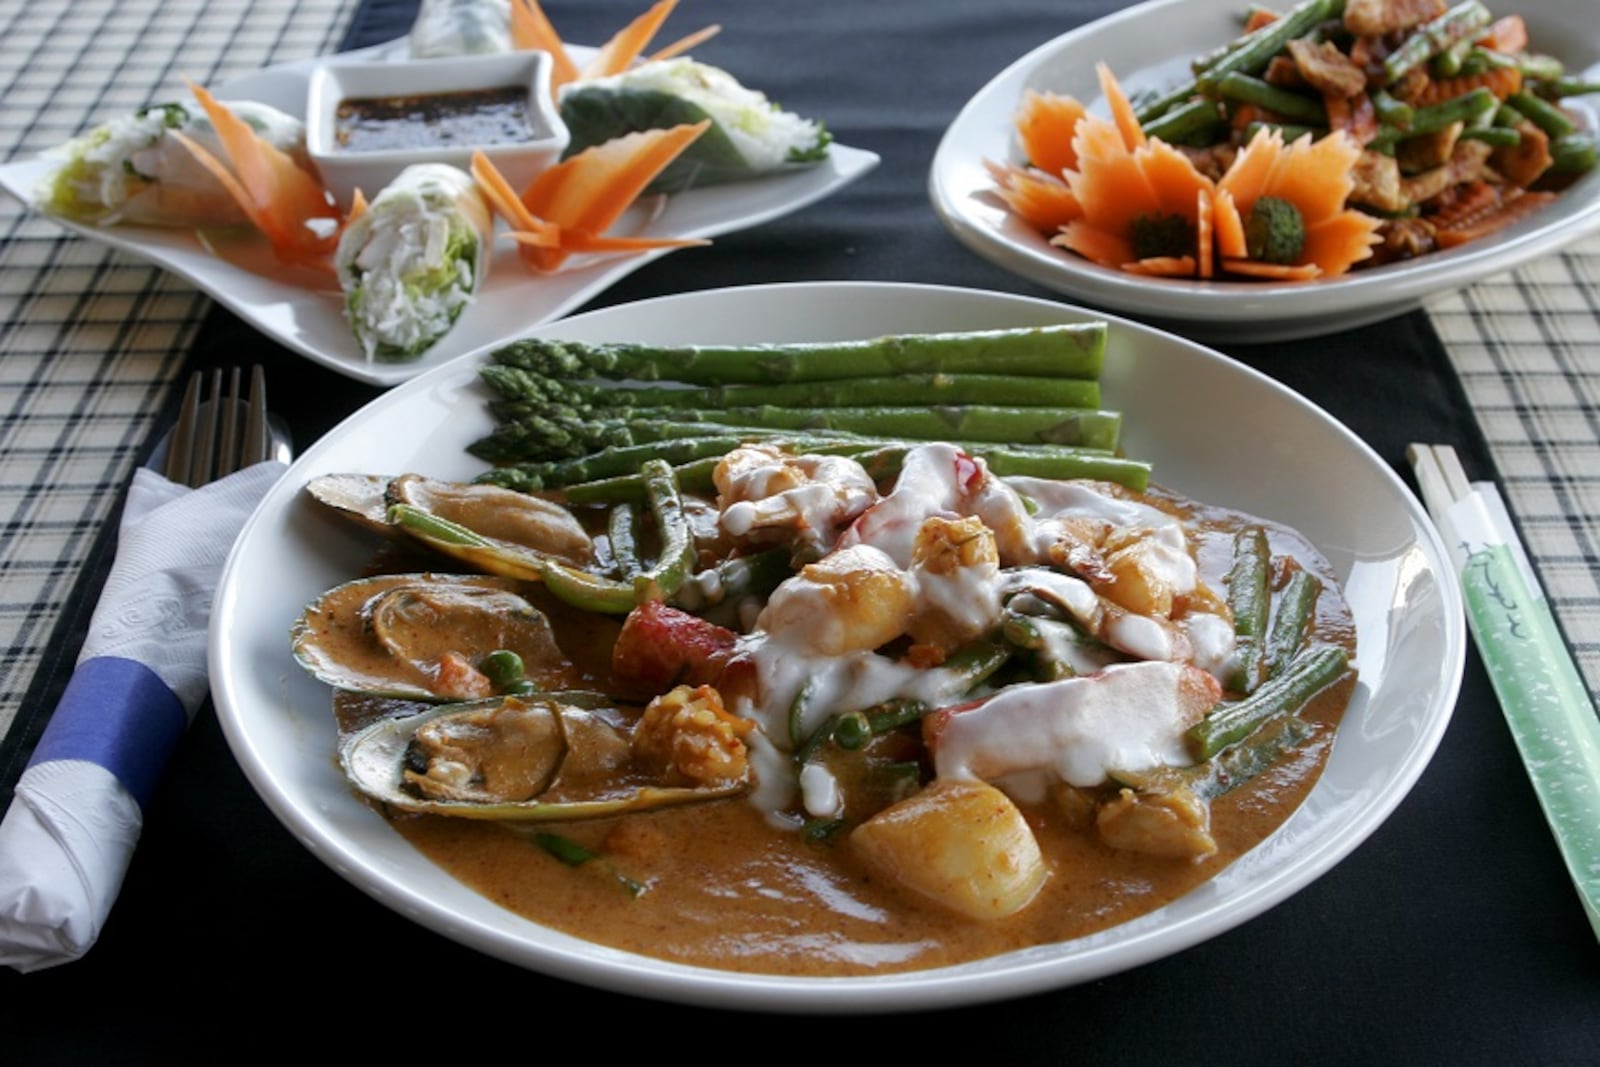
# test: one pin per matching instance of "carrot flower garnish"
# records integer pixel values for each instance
(1287, 204)
(569, 207)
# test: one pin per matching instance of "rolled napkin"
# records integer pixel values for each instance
(69, 834)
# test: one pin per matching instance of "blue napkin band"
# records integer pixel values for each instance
(119, 714)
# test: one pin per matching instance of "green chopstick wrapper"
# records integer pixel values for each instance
(1545, 700)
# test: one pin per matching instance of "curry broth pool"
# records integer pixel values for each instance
(747, 885)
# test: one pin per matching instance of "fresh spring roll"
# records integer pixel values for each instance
(131, 170)
(461, 28)
(749, 135)
(414, 260)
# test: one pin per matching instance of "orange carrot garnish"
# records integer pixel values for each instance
(1121, 109)
(1202, 234)
(1282, 272)
(628, 43)
(1227, 224)
(531, 30)
(1045, 125)
(1162, 266)
(569, 206)
(285, 203)
(684, 43)
(1044, 202)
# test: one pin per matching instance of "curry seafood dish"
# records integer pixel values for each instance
(832, 714)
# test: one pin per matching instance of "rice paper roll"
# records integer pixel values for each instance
(132, 171)
(750, 136)
(461, 28)
(414, 260)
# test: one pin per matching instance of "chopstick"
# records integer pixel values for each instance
(1545, 701)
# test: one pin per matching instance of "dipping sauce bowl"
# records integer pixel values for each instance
(368, 121)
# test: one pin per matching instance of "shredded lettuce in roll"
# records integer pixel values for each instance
(414, 261)
(131, 171)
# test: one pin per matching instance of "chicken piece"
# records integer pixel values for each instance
(1175, 823)
(1377, 183)
(964, 845)
(686, 737)
(1428, 150)
(852, 600)
(1374, 18)
(956, 567)
(1326, 69)
(1524, 162)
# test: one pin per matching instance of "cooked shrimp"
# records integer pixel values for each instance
(766, 494)
(956, 567)
(853, 600)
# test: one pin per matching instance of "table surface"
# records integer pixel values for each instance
(94, 344)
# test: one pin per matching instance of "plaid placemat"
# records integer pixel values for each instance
(92, 340)
(1527, 347)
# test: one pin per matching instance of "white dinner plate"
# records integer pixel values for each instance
(306, 313)
(1275, 455)
(1148, 47)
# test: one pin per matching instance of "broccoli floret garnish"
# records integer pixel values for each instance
(1162, 235)
(1275, 232)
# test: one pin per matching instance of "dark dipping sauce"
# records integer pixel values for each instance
(472, 117)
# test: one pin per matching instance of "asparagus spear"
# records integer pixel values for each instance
(1069, 351)
(521, 387)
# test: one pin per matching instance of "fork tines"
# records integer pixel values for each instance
(218, 432)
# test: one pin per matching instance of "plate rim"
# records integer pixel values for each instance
(1020, 973)
(1213, 309)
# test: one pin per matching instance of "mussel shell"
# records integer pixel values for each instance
(499, 514)
(390, 634)
(516, 520)
(592, 775)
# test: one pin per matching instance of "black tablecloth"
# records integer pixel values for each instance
(1452, 934)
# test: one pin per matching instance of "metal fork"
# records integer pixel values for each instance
(221, 434)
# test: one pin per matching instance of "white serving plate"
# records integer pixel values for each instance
(305, 312)
(1276, 455)
(1148, 46)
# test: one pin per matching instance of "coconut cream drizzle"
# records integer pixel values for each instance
(1122, 716)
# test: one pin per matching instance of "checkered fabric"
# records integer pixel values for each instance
(90, 340)
(1527, 347)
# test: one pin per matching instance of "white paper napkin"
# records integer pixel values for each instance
(67, 838)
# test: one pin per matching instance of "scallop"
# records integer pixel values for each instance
(422, 636)
(535, 758)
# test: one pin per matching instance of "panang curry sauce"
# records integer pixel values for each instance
(964, 715)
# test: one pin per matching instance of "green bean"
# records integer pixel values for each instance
(1573, 154)
(1432, 119)
(1562, 87)
(1543, 114)
(676, 558)
(1251, 53)
(1291, 105)
(1196, 123)
(1539, 68)
(1250, 600)
(1228, 769)
(753, 575)
(1433, 37)
(1392, 111)
(1498, 136)
(1231, 722)
(1291, 619)
(1289, 133)
(622, 531)
(1148, 111)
